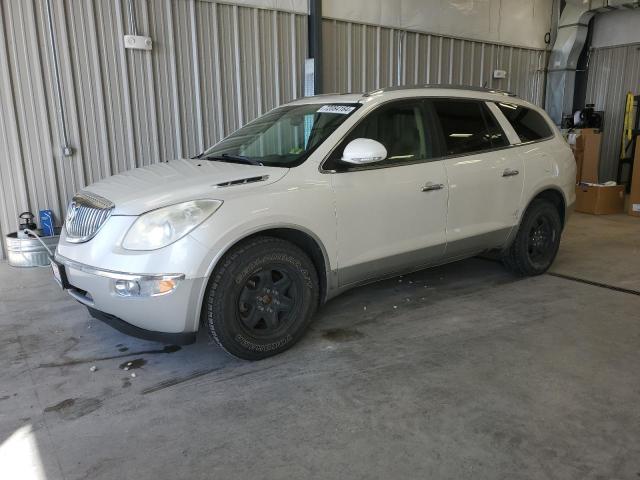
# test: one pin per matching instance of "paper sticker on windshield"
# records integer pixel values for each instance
(339, 109)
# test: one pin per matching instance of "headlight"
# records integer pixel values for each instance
(159, 228)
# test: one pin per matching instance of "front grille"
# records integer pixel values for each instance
(86, 213)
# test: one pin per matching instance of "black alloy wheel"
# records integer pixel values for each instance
(268, 301)
(261, 298)
(541, 240)
(536, 243)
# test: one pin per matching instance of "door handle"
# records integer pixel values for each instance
(510, 172)
(430, 187)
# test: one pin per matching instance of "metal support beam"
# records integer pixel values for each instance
(315, 42)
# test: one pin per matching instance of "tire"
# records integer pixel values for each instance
(261, 298)
(536, 244)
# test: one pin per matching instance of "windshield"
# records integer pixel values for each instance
(284, 137)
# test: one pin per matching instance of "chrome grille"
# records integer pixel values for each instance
(86, 213)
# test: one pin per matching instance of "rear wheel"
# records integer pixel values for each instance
(536, 244)
(261, 298)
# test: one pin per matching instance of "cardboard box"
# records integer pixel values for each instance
(583, 136)
(599, 199)
(578, 157)
(588, 145)
(634, 196)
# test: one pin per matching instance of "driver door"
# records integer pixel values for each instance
(391, 214)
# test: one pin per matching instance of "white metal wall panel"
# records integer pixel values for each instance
(27, 170)
(509, 22)
(616, 28)
(70, 171)
(612, 73)
(359, 57)
(113, 79)
(214, 66)
(12, 175)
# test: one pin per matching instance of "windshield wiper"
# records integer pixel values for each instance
(225, 157)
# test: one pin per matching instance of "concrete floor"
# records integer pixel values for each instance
(457, 372)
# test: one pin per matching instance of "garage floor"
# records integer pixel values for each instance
(457, 372)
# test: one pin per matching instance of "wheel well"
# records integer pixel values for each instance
(308, 245)
(556, 198)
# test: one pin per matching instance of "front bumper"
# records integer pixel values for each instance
(184, 338)
(173, 313)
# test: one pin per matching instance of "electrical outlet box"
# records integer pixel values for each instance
(499, 74)
(137, 42)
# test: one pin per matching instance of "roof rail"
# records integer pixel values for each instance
(443, 86)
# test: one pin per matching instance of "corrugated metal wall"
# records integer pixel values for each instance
(359, 57)
(213, 67)
(612, 73)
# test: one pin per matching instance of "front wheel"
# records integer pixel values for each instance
(261, 298)
(536, 244)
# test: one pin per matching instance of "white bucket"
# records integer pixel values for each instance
(29, 252)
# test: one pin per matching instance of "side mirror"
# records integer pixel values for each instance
(362, 151)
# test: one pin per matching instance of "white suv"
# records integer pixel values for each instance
(315, 197)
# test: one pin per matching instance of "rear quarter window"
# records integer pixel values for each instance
(528, 124)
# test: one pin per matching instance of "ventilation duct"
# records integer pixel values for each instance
(561, 75)
(569, 42)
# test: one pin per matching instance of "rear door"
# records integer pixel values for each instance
(530, 130)
(485, 176)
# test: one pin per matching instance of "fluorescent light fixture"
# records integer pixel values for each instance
(461, 135)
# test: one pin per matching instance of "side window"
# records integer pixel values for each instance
(399, 126)
(528, 124)
(466, 128)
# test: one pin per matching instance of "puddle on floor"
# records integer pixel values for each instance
(133, 364)
(341, 334)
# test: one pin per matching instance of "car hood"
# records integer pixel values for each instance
(147, 188)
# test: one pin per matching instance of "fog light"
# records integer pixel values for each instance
(145, 288)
